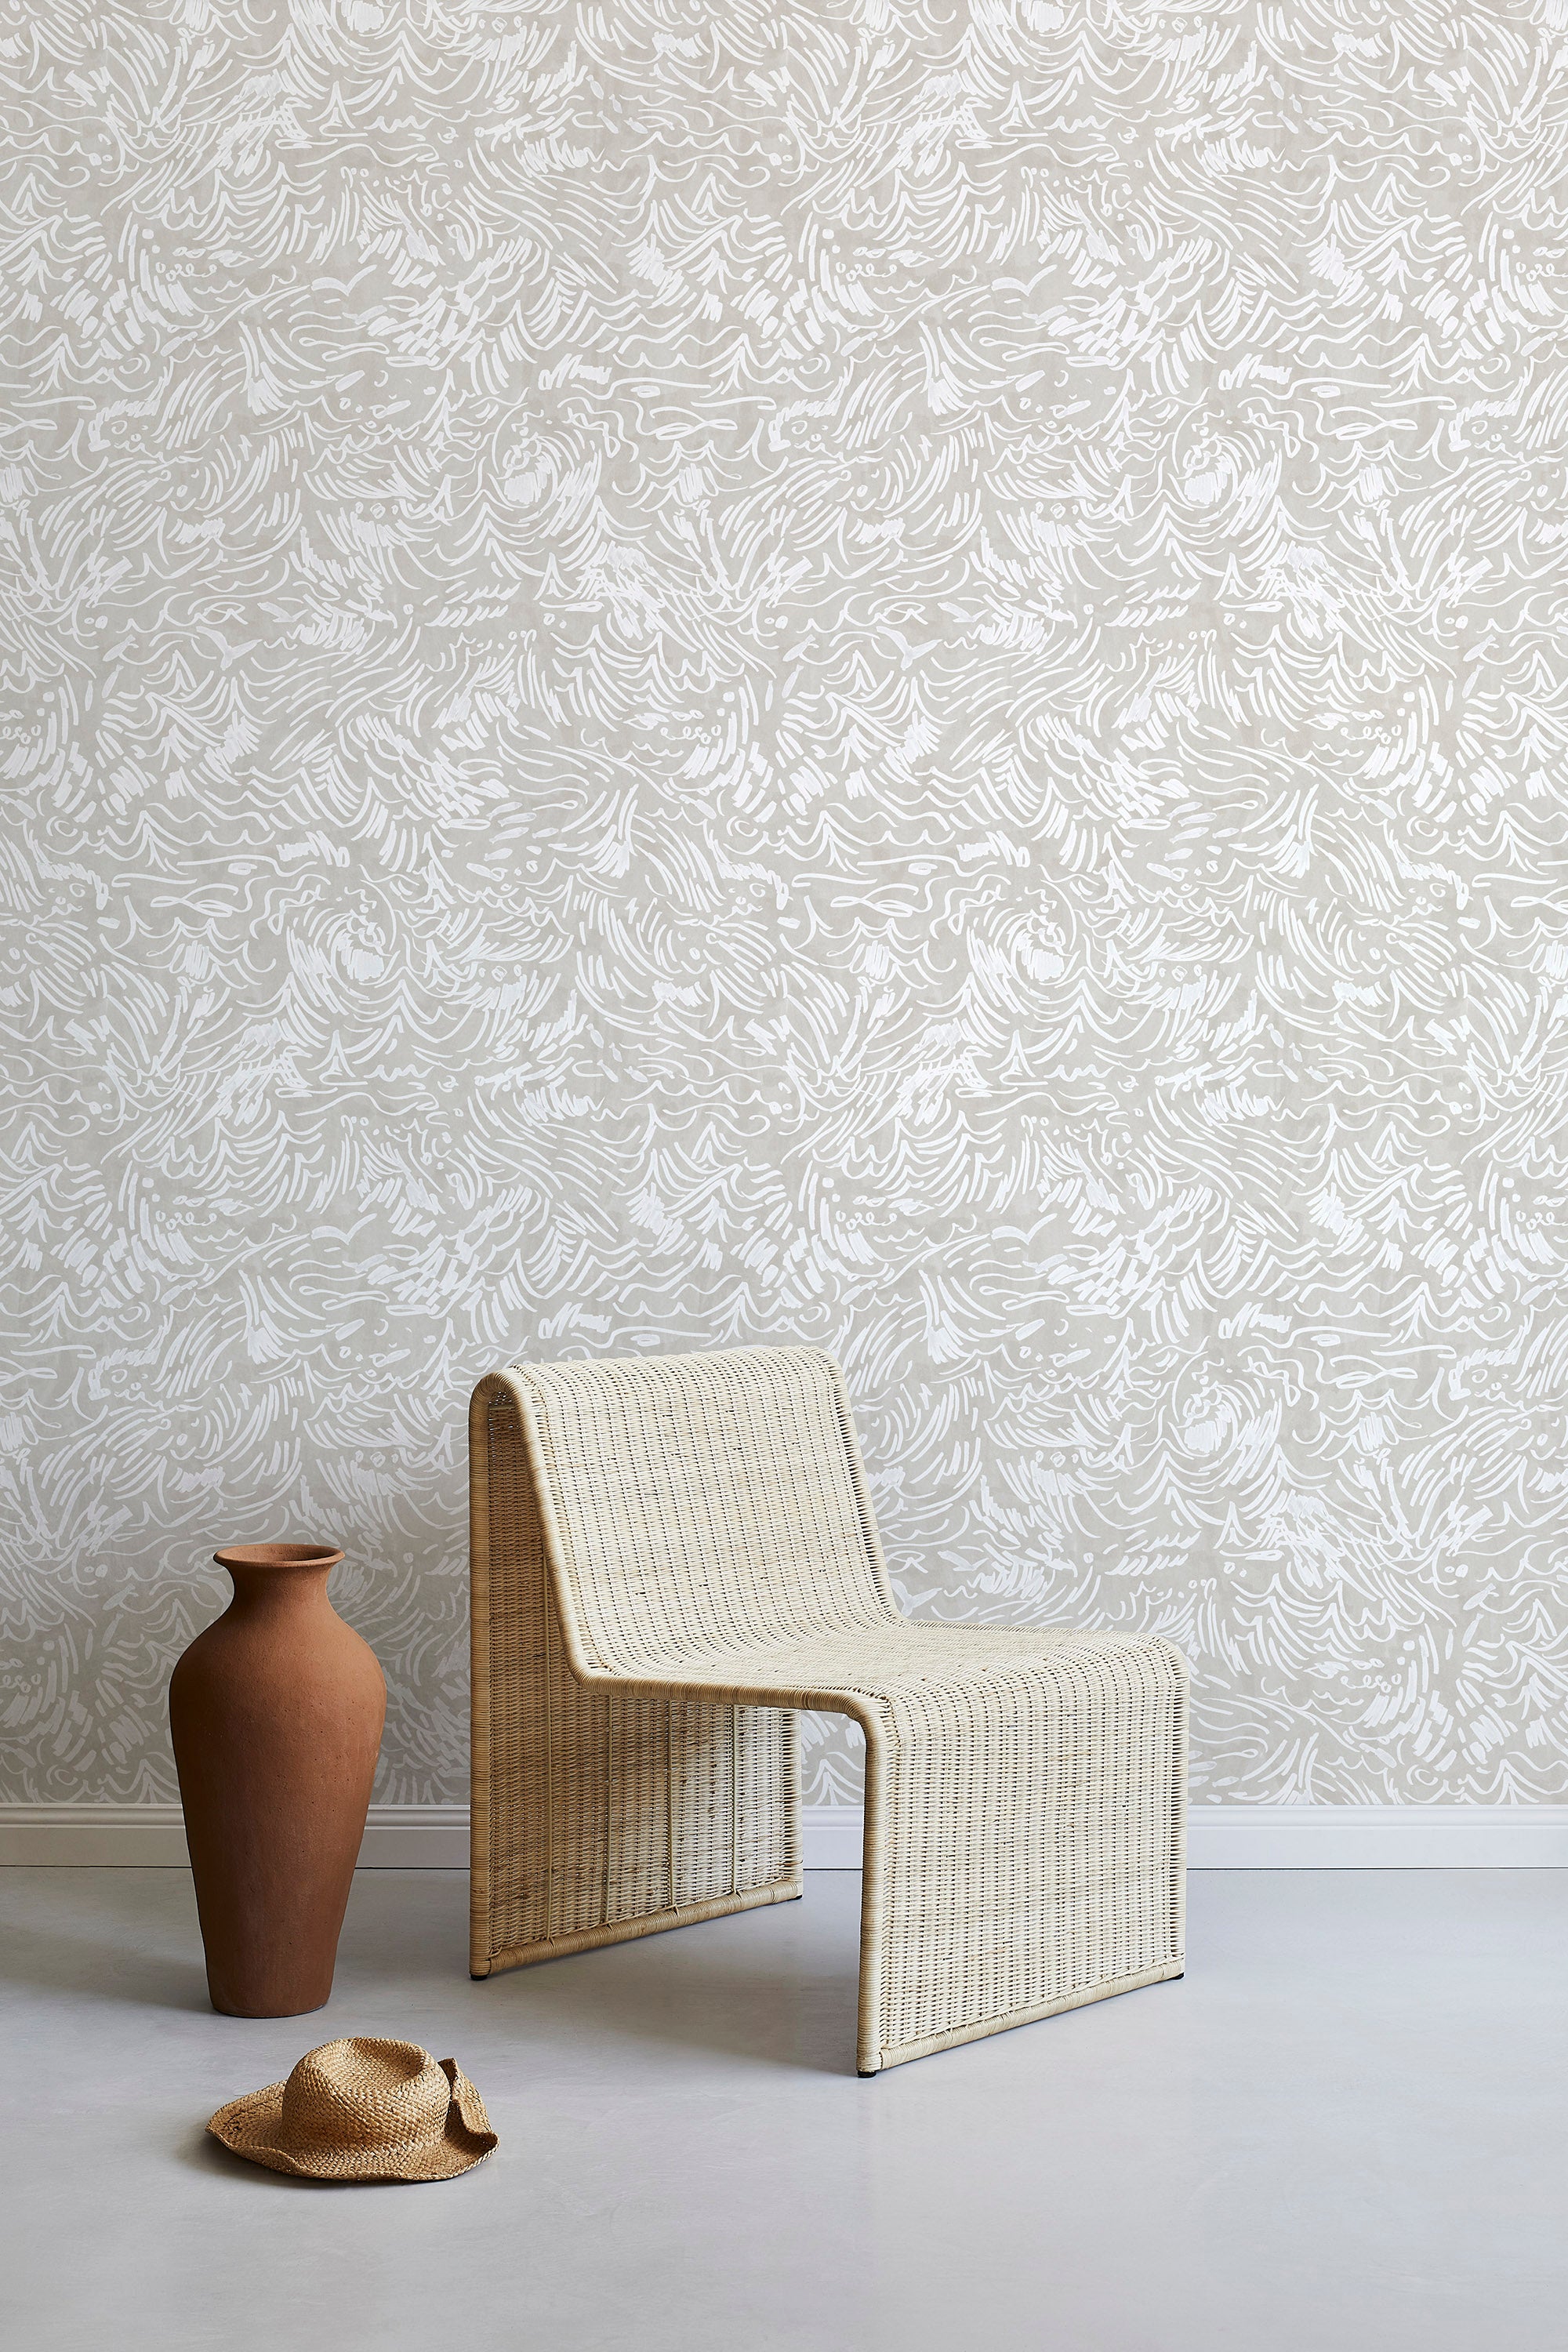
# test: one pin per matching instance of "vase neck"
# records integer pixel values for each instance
(278, 1576)
(266, 1590)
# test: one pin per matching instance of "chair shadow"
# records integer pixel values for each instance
(797, 2014)
(720, 1986)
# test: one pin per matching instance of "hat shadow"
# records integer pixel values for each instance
(200, 2152)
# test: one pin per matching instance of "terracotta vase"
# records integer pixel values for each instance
(276, 1711)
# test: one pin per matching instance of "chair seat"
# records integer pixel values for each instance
(1023, 1784)
(887, 1662)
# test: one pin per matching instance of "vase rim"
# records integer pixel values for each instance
(317, 1554)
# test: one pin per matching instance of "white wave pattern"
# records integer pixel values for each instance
(682, 674)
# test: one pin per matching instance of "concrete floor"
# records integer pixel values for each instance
(1344, 2130)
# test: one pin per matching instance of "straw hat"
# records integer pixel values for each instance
(363, 2110)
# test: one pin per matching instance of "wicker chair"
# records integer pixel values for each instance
(669, 1555)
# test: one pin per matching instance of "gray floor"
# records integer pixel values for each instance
(1344, 2129)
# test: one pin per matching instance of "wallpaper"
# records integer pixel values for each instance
(682, 672)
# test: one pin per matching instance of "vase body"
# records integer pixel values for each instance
(277, 1713)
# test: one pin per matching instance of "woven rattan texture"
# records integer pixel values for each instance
(697, 1528)
(706, 1505)
(602, 1809)
(362, 2109)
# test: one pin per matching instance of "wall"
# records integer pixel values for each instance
(884, 674)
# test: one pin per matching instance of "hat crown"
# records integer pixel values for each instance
(363, 2094)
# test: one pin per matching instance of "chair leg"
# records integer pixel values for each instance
(631, 1816)
(598, 1814)
(1024, 1845)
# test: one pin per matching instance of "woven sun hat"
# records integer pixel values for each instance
(363, 2110)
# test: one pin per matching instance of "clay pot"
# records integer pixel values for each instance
(276, 1712)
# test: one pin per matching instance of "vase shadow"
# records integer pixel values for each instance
(102, 1968)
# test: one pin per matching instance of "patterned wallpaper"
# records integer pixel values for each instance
(691, 672)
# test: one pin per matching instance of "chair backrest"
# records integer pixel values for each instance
(704, 1504)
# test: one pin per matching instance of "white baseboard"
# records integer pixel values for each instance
(1219, 1837)
(1377, 1837)
(153, 1837)
(832, 1836)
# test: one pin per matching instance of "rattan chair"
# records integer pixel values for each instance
(670, 1554)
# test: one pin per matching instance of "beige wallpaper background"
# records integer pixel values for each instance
(896, 675)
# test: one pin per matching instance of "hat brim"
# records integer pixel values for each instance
(250, 2128)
